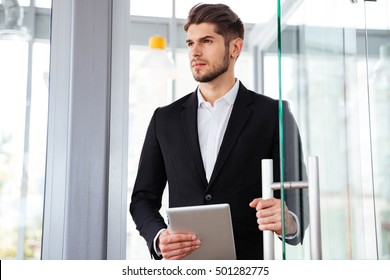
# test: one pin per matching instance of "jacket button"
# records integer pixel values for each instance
(208, 197)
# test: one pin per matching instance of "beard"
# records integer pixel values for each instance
(215, 72)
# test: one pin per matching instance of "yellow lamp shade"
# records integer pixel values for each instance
(157, 42)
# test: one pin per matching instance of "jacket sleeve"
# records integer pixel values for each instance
(148, 188)
(294, 170)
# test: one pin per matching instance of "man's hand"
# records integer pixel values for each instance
(269, 215)
(177, 246)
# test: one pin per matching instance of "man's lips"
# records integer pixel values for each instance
(198, 64)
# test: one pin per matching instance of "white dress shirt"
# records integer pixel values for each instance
(212, 123)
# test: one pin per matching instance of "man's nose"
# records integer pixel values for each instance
(196, 51)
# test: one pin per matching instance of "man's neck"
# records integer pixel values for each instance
(215, 89)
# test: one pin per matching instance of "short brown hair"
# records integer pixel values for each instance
(227, 23)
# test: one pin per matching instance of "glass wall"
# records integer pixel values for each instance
(24, 68)
(335, 76)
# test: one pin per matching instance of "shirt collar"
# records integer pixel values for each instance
(230, 96)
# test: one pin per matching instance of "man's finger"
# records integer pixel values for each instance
(178, 253)
(178, 245)
(267, 203)
(177, 238)
(254, 202)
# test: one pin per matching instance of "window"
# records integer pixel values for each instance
(23, 121)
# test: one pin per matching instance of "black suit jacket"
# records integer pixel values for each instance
(171, 153)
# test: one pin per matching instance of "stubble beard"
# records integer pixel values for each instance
(215, 72)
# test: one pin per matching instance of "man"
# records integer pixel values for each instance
(208, 146)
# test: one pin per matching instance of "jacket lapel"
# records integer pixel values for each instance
(189, 121)
(238, 118)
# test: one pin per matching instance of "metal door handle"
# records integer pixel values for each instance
(268, 186)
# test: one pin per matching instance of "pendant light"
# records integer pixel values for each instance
(13, 28)
(157, 63)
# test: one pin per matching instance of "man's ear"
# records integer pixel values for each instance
(236, 46)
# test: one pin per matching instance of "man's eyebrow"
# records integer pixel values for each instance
(201, 38)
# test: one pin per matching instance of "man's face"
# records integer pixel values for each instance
(209, 57)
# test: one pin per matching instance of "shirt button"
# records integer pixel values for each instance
(208, 197)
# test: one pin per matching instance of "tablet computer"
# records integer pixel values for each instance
(213, 226)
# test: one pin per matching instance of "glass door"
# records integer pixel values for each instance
(378, 69)
(328, 51)
(325, 104)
